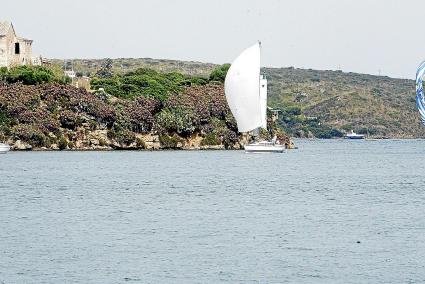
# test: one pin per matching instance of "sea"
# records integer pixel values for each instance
(331, 211)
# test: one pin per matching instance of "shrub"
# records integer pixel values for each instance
(31, 134)
(325, 132)
(105, 70)
(71, 145)
(62, 143)
(219, 73)
(140, 143)
(199, 81)
(69, 120)
(3, 73)
(142, 82)
(29, 75)
(180, 121)
(210, 139)
(125, 137)
(169, 142)
(292, 110)
(4, 118)
(102, 142)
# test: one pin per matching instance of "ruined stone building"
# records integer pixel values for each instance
(15, 50)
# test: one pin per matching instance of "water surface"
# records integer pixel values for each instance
(330, 212)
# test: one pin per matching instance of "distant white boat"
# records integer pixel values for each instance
(246, 94)
(4, 148)
(354, 135)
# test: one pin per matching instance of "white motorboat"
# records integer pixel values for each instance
(354, 135)
(4, 148)
(246, 94)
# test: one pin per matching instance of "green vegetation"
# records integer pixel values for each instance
(145, 82)
(313, 103)
(5, 124)
(170, 142)
(219, 73)
(105, 70)
(62, 143)
(170, 106)
(125, 65)
(210, 139)
(140, 143)
(327, 104)
(31, 75)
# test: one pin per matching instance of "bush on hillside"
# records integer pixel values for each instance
(219, 73)
(30, 75)
(147, 83)
(170, 142)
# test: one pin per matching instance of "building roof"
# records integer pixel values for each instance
(4, 27)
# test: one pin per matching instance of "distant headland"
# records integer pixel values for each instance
(313, 103)
(141, 109)
(167, 104)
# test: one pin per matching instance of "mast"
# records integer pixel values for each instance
(256, 132)
(262, 94)
(259, 75)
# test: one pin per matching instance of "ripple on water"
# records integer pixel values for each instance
(306, 216)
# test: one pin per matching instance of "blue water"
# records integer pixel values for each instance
(329, 212)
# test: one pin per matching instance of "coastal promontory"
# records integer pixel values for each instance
(141, 109)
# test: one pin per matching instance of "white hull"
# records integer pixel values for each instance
(264, 148)
(4, 148)
(354, 135)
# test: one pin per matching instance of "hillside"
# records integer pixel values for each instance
(143, 109)
(315, 103)
(325, 102)
(123, 65)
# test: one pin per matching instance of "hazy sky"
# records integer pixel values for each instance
(355, 35)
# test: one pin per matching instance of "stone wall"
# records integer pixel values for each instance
(8, 50)
(3, 52)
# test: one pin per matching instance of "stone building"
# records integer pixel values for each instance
(15, 50)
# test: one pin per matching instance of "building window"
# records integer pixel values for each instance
(17, 48)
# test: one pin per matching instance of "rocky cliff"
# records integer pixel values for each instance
(54, 116)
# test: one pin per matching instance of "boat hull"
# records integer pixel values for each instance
(264, 148)
(355, 137)
(4, 148)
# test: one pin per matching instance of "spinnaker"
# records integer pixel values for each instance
(420, 99)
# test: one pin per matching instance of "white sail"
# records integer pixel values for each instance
(242, 88)
(263, 101)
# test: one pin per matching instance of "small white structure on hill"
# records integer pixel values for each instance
(14, 50)
(70, 73)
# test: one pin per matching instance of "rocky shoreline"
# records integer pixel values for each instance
(99, 141)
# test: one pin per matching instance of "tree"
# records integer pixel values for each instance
(219, 73)
(105, 70)
(29, 75)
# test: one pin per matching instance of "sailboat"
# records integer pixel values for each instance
(4, 148)
(246, 94)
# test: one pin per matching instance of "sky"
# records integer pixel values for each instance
(365, 36)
